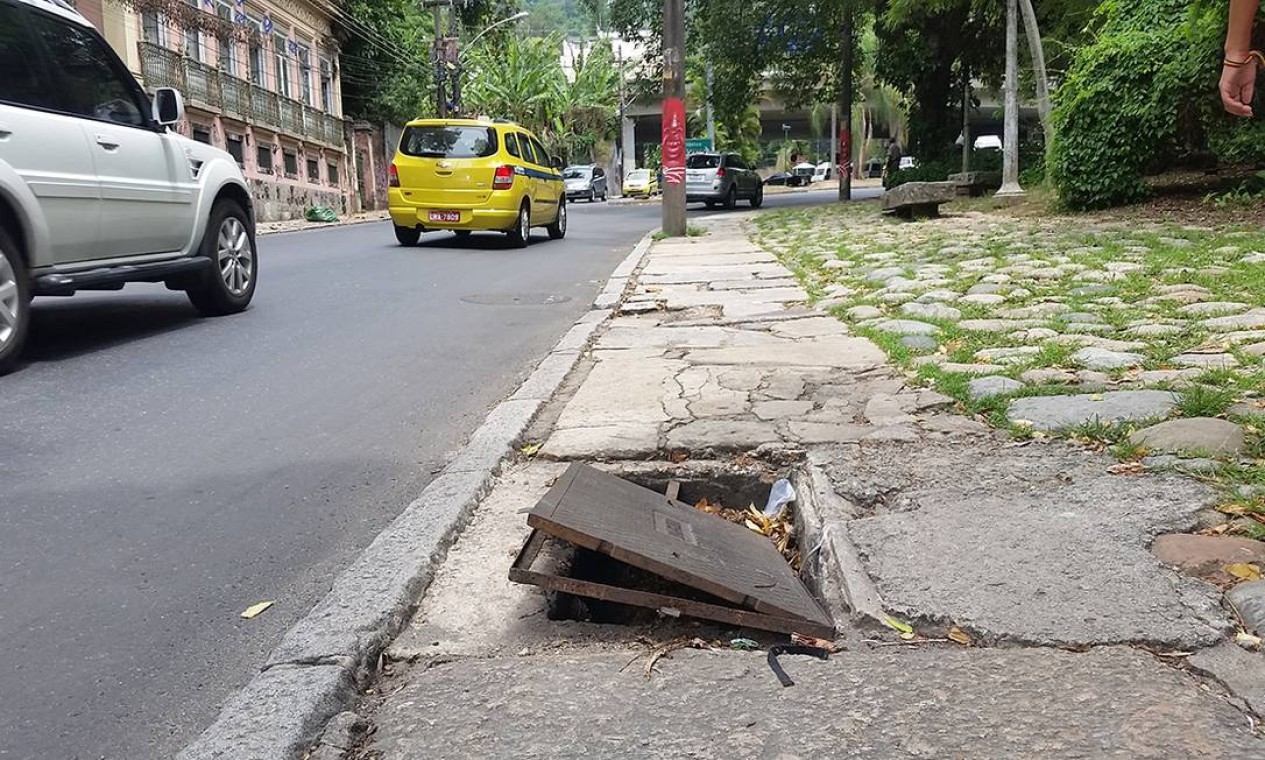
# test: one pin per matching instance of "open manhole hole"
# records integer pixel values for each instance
(515, 299)
(613, 551)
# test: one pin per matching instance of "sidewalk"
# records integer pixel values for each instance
(1044, 626)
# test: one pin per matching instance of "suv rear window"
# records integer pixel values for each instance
(448, 142)
(702, 161)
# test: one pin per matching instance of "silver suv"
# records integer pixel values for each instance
(588, 182)
(721, 178)
(95, 190)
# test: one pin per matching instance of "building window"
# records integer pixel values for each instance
(202, 134)
(263, 157)
(305, 75)
(227, 60)
(327, 86)
(256, 54)
(154, 27)
(193, 39)
(281, 60)
(313, 170)
(291, 163)
(332, 173)
(233, 144)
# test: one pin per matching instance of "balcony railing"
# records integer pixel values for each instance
(236, 98)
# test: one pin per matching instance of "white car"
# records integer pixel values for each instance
(95, 189)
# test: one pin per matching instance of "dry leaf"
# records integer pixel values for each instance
(1244, 571)
(753, 526)
(254, 609)
(530, 449)
(961, 637)
(811, 641)
(1247, 640)
(1127, 468)
(898, 625)
(1095, 397)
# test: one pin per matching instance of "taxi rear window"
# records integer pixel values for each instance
(448, 142)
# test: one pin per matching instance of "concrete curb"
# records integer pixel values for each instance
(314, 671)
(321, 226)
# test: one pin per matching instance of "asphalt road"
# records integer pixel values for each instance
(159, 473)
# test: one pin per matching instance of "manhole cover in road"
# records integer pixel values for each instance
(515, 299)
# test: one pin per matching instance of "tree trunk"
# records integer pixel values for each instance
(1010, 139)
(1038, 69)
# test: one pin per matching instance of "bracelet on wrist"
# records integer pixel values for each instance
(1253, 57)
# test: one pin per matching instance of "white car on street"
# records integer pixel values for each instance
(95, 190)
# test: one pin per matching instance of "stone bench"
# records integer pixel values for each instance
(918, 199)
(975, 184)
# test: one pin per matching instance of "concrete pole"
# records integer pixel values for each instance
(845, 125)
(1010, 139)
(673, 138)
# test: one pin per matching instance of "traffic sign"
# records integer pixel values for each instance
(698, 145)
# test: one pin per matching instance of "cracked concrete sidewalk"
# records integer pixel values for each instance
(1036, 550)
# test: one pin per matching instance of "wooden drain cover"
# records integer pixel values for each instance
(604, 513)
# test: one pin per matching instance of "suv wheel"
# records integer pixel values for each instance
(229, 243)
(15, 303)
(757, 200)
(521, 231)
(731, 198)
(558, 230)
(407, 236)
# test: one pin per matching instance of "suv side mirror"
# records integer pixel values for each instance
(556, 162)
(168, 106)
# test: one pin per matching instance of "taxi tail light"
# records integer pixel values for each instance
(504, 178)
(393, 176)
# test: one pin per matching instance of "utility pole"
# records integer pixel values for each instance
(673, 138)
(845, 123)
(438, 55)
(1010, 139)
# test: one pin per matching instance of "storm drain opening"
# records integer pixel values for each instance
(616, 551)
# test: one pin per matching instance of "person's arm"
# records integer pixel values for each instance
(1238, 72)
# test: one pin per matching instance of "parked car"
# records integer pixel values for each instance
(908, 162)
(588, 182)
(777, 179)
(825, 170)
(802, 174)
(873, 168)
(640, 183)
(721, 178)
(95, 190)
(467, 175)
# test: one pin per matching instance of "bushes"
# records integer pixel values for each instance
(1143, 98)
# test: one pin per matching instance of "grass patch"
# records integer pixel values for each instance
(1203, 400)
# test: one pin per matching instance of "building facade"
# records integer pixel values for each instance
(260, 79)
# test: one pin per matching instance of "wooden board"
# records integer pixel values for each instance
(599, 511)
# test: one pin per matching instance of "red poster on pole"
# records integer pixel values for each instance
(845, 151)
(674, 141)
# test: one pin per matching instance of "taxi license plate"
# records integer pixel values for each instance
(695, 176)
(445, 216)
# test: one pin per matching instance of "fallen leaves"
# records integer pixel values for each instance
(1244, 571)
(905, 630)
(1127, 468)
(812, 641)
(958, 636)
(779, 529)
(255, 609)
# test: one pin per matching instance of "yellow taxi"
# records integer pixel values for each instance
(469, 175)
(641, 182)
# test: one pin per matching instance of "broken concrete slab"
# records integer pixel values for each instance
(1062, 412)
(1243, 673)
(829, 351)
(993, 385)
(720, 435)
(1203, 434)
(1249, 600)
(1120, 703)
(1074, 569)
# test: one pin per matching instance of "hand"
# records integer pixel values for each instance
(1238, 83)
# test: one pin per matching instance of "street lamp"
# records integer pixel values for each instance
(516, 17)
(456, 73)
